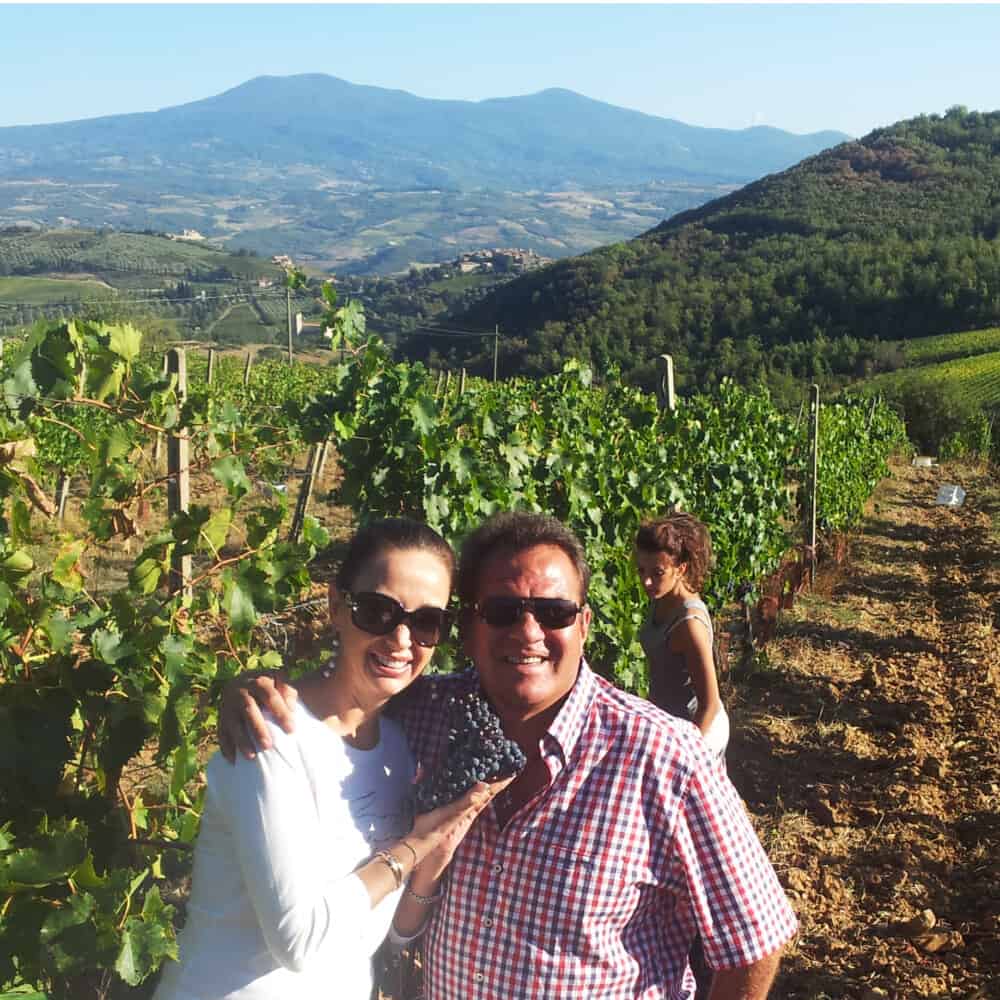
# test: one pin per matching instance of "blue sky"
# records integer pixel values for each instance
(798, 67)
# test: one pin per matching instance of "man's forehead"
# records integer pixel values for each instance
(544, 561)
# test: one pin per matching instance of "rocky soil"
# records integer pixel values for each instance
(865, 744)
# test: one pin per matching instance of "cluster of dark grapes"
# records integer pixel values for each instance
(477, 751)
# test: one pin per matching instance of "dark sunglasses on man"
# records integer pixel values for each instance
(549, 612)
(379, 614)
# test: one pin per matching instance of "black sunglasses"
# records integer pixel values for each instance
(379, 614)
(549, 612)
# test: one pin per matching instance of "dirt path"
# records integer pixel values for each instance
(867, 749)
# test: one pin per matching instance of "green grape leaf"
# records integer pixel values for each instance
(19, 389)
(230, 472)
(63, 851)
(125, 340)
(146, 940)
(462, 462)
(175, 649)
(185, 766)
(145, 575)
(424, 413)
(114, 443)
(109, 646)
(237, 602)
(216, 529)
(75, 910)
(313, 533)
(65, 566)
(17, 563)
(104, 376)
(60, 631)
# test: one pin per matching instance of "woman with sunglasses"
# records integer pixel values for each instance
(309, 852)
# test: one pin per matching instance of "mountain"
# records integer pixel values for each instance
(313, 163)
(805, 273)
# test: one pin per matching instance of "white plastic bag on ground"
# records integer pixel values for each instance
(950, 495)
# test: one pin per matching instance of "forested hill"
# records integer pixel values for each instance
(890, 237)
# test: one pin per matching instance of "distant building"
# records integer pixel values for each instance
(506, 260)
(264, 283)
(311, 329)
(187, 234)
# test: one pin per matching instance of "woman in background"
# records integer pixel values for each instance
(673, 555)
(307, 852)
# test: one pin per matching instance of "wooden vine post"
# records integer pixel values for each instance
(246, 369)
(62, 495)
(211, 365)
(665, 387)
(325, 451)
(178, 474)
(288, 305)
(871, 412)
(306, 490)
(158, 443)
(813, 484)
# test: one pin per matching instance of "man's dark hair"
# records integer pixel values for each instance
(515, 531)
(376, 537)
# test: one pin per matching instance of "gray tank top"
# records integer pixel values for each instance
(669, 683)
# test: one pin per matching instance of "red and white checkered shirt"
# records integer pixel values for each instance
(597, 886)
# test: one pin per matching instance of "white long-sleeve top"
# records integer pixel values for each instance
(275, 909)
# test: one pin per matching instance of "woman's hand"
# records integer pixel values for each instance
(241, 723)
(434, 839)
(437, 834)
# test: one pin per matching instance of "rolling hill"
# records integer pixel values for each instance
(178, 287)
(801, 274)
(318, 166)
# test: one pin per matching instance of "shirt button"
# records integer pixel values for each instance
(478, 977)
(497, 869)
(487, 921)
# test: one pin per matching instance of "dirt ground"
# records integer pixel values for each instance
(865, 744)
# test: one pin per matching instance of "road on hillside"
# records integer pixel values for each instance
(865, 745)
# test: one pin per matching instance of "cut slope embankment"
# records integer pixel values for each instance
(866, 750)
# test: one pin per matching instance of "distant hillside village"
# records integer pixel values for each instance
(501, 261)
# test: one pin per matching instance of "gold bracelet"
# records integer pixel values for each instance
(405, 843)
(394, 866)
(423, 900)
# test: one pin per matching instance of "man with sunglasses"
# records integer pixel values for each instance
(620, 840)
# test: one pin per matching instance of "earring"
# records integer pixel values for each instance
(326, 671)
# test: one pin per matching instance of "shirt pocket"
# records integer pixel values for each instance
(583, 902)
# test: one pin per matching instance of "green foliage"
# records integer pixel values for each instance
(942, 416)
(601, 459)
(856, 438)
(92, 685)
(95, 684)
(881, 240)
(975, 378)
(951, 346)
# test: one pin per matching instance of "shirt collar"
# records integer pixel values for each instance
(568, 724)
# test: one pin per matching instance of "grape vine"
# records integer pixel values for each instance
(107, 696)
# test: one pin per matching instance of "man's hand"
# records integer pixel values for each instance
(750, 983)
(241, 724)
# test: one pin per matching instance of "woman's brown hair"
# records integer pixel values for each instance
(682, 537)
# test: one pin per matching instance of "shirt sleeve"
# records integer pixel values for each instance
(737, 903)
(304, 915)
